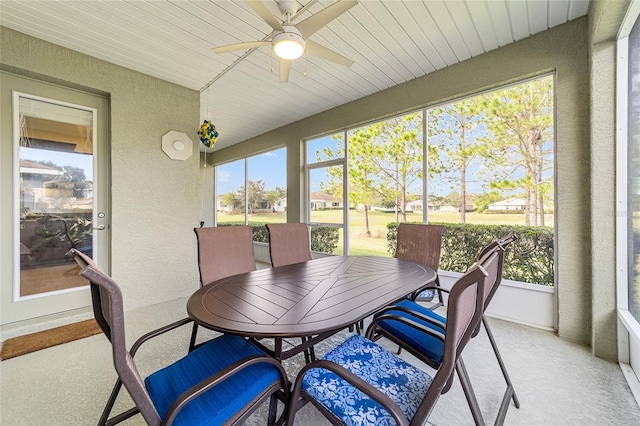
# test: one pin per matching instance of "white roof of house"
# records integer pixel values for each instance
(510, 202)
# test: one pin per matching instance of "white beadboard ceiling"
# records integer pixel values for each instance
(391, 42)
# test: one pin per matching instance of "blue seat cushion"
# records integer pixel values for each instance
(430, 346)
(220, 403)
(403, 383)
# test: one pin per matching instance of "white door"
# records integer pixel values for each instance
(54, 144)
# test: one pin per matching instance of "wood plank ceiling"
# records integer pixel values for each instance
(391, 42)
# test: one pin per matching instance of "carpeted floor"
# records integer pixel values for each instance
(28, 343)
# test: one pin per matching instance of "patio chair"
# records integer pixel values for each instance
(221, 382)
(359, 382)
(398, 324)
(422, 244)
(288, 243)
(222, 251)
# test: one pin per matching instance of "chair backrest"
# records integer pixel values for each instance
(494, 282)
(101, 309)
(224, 251)
(108, 305)
(420, 243)
(288, 243)
(464, 312)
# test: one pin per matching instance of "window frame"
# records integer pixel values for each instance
(245, 161)
(625, 317)
(308, 168)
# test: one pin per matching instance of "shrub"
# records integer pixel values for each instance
(323, 239)
(528, 259)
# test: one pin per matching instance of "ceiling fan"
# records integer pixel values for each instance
(289, 40)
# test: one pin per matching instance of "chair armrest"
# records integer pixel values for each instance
(406, 321)
(158, 332)
(434, 287)
(416, 314)
(200, 388)
(366, 388)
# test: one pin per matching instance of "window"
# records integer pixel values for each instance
(489, 160)
(252, 190)
(631, 46)
(491, 157)
(230, 196)
(56, 192)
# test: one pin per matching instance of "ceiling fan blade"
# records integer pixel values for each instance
(315, 49)
(318, 20)
(266, 15)
(285, 67)
(240, 46)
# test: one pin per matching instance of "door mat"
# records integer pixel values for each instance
(28, 343)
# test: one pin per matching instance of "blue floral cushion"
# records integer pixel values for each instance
(221, 402)
(402, 382)
(430, 346)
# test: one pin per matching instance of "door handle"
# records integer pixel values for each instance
(99, 227)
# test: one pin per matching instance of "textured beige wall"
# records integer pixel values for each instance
(604, 318)
(155, 201)
(562, 49)
(605, 18)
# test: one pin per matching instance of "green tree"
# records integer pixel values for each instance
(256, 195)
(275, 194)
(385, 164)
(520, 119)
(230, 199)
(397, 158)
(361, 174)
(453, 130)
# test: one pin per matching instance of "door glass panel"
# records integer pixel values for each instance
(55, 195)
(325, 196)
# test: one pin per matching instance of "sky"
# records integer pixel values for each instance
(59, 158)
(271, 167)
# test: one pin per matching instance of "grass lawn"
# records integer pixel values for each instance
(376, 244)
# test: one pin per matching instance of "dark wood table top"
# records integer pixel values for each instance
(319, 296)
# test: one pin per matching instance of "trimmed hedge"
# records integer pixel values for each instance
(323, 239)
(528, 259)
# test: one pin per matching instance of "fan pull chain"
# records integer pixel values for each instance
(305, 62)
(271, 66)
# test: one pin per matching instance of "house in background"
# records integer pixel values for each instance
(509, 204)
(323, 201)
(280, 205)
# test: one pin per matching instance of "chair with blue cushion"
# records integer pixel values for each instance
(405, 324)
(223, 251)
(221, 382)
(421, 243)
(288, 243)
(359, 382)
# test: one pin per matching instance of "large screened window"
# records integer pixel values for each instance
(628, 193)
(252, 190)
(483, 161)
(629, 155)
(633, 137)
(491, 157)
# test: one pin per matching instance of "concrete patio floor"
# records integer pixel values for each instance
(557, 382)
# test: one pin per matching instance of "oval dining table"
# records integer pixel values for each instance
(311, 300)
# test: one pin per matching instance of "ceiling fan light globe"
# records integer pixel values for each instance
(288, 46)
